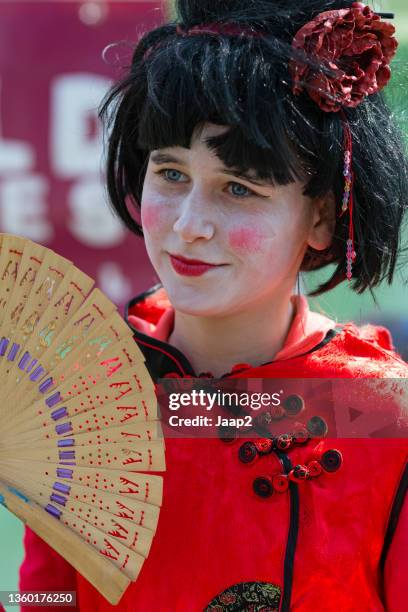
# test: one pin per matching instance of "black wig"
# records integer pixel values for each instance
(176, 83)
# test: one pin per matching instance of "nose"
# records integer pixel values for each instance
(193, 218)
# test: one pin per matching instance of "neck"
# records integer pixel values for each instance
(215, 344)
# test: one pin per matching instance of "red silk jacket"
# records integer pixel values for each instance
(335, 542)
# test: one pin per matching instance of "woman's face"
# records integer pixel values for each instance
(193, 206)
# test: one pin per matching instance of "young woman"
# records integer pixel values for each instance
(255, 141)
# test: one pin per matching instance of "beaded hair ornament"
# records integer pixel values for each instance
(356, 46)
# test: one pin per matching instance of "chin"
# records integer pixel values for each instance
(194, 300)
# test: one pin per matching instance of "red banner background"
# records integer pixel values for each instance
(53, 75)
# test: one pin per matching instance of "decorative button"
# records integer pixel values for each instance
(331, 460)
(299, 472)
(277, 412)
(293, 405)
(264, 446)
(227, 434)
(264, 419)
(317, 426)
(284, 442)
(247, 452)
(315, 469)
(280, 483)
(301, 436)
(262, 486)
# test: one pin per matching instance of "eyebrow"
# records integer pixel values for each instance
(166, 158)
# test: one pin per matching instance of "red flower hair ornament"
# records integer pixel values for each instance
(356, 44)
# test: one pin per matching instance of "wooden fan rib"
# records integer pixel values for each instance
(79, 515)
(111, 541)
(144, 455)
(120, 393)
(97, 569)
(122, 433)
(123, 422)
(136, 496)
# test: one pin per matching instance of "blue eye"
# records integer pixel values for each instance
(166, 172)
(242, 191)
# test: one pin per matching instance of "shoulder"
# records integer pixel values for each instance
(362, 351)
(376, 401)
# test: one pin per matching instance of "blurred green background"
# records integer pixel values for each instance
(340, 303)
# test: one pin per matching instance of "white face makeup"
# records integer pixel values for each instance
(256, 233)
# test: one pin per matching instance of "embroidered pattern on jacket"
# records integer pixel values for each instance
(248, 596)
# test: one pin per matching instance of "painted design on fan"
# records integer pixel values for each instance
(48, 285)
(66, 441)
(53, 510)
(109, 550)
(84, 324)
(30, 323)
(129, 515)
(53, 399)
(30, 274)
(16, 313)
(102, 341)
(58, 499)
(64, 473)
(248, 596)
(62, 429)
(46, 384)
(67, 300)
(64, 455)
(38, 372)
(62, 488)
(60, 413)
(3, 346)
(46, 334)
(11, 264)
(13, 352)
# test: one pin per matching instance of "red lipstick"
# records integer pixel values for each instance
(190, 267)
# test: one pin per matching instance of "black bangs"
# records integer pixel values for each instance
(218, 81)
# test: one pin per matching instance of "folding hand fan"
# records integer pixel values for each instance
(79, 423)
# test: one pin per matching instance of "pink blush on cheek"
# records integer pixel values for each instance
(152, 217)
(246, 240)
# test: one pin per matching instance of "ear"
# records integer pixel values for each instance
(324, 222)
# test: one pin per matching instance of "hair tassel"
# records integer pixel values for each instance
(348, 201)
